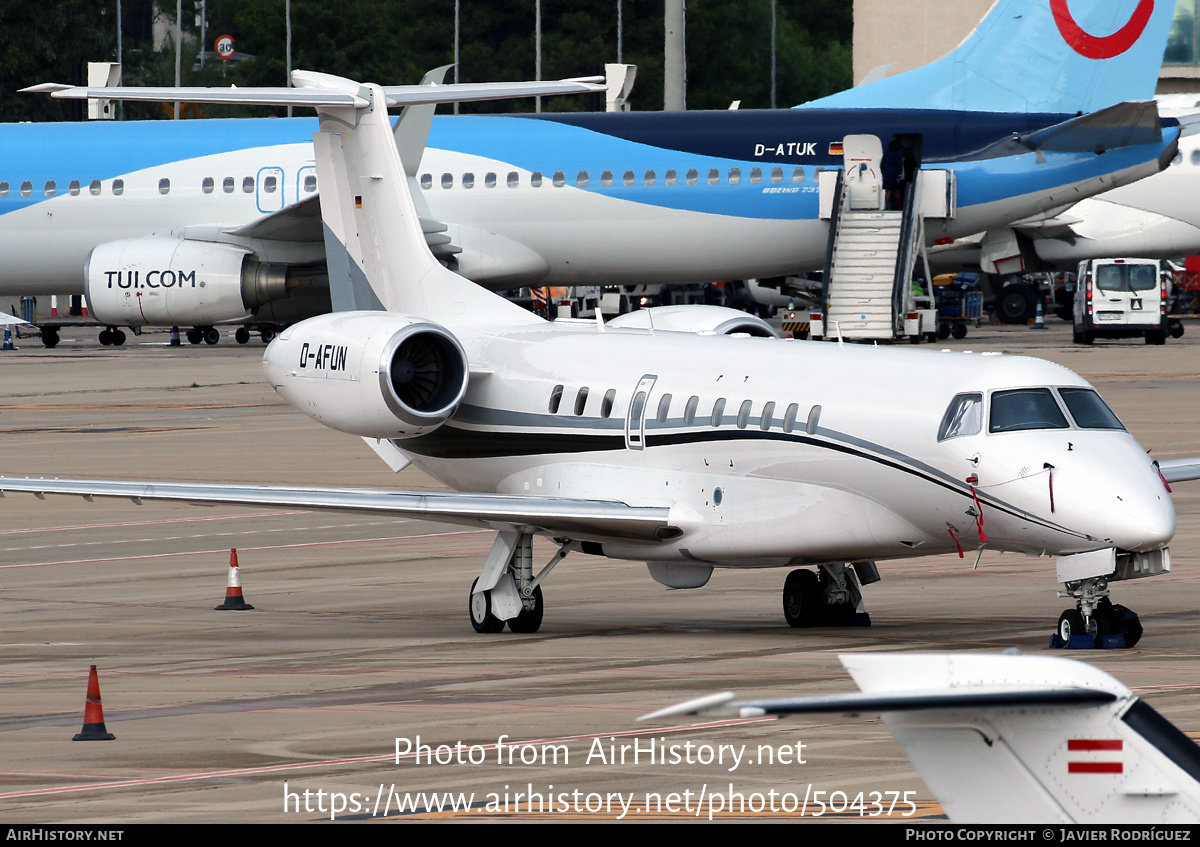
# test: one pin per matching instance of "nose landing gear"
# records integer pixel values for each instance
(1096, 622)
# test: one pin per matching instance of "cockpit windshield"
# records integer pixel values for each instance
(1026, 408)
(1089, 409)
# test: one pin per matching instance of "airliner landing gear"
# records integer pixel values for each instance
(1095, 618)
(112, 335)
(507, 590)
(830, 597)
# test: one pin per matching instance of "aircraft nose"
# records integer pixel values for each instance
(1142, 524)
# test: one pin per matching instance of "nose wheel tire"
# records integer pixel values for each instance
(1071, 623)
(480, 607)
(529, 620)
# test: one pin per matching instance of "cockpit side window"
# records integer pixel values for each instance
(1089, 409)
(1026, 408)
(964, 416)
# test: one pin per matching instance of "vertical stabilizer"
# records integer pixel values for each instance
(377, 254)
(1059, 56)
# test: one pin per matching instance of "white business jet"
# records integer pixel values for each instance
(1010, 738)
(686, 450)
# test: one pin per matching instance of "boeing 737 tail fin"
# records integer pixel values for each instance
(1058, 56)
(1009, 738)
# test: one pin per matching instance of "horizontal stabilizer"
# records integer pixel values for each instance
(581, 519)
(395, 95)
(1122, 125)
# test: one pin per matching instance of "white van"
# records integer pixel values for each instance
(1121, 298)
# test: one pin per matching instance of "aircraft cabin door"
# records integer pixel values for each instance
(269, 189)
(635, 420)
(862, 156)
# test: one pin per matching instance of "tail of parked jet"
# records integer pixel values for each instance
(1013, 739)
(1053, 56)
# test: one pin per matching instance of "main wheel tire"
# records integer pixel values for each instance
(479, 606)
(1016, 304)
(1070, 623)
(118, 337)
(105, 337)
(802, 599)
(50, 338)
(211, 336)
(241, 335)
(266, 334)
(194, 336)
(529, 620)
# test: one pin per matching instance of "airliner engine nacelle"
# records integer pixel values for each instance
(174, 281)
(373, 374)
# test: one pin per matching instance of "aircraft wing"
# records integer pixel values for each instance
(579, 519)
(11, 320)
(857, 703)
(1180, 470)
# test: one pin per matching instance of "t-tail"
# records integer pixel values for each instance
(1012, 739)
(1051, 56)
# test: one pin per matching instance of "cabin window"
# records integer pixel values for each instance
(93, 186)
(118, 187)
(1089, 409)
(776, 175)
(447, 180)
(555, 399)
(248, 185)
(1025, 408)
(164, 186)
(3, 189)
(664, 408)
(636, 407)
(755, 176)
(489, 180)
(51, 188)
(768, 412)
(606, 405)
(514, 179)
(743, 417)
(560, 179)
(718, 412)
(227, 185)
(310, 182)
(689, 410)
(649, 178)
(606, 178)
(535, 179)
(693, 176)
(964, 416)
(581, 179)
(270, 183)
(789, 417)
(797, 175)
(207, 185)
(468, 180)
(669, 177)
(581, 400)
(714, 176)
(27, 188)
(628, 178)
(735, 176)
(426, 182)
(73, 188)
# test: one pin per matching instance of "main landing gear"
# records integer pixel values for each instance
(828, 597)
(507, 590)
(1095, 621)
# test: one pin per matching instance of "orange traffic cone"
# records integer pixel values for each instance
(93, 713)
(233, 588)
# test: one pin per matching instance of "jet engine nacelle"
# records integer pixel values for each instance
(372, 374)
(711, 320)
(163, 281)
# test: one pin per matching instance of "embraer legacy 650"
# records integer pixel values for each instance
(689, 451)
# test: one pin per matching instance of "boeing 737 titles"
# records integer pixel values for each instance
(689, 451)
(206, 222)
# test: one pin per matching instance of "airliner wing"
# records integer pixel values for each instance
(579, 519)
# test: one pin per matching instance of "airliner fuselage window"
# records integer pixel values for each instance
(1026, 408)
